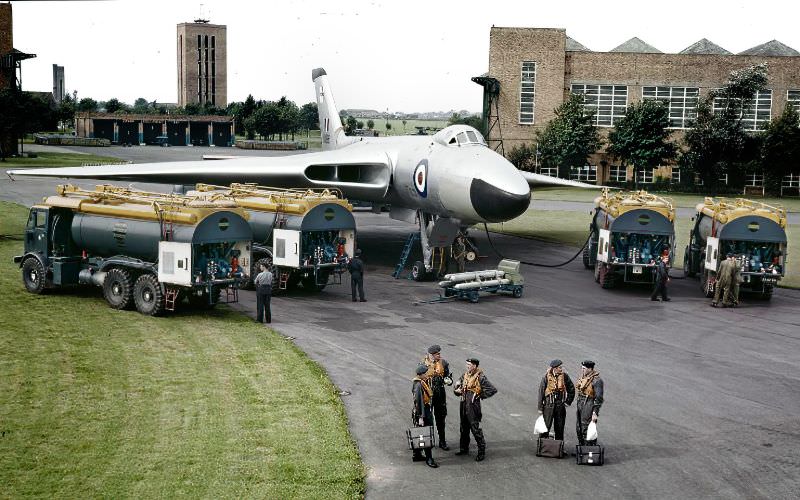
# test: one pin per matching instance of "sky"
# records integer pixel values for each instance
(397, 56)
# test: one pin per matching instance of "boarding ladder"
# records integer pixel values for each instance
(412, 238)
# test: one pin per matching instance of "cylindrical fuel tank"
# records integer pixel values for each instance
(742, 228)
(638, 220)
(109, 236)
(323, 217)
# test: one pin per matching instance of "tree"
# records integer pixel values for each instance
(715, 146)
(309, 116)
(370, 124)
(248, 108)
(351, 124)
(114, 105)
(389, 127)
(474, 121)
(87, 104)
(404, 125)
(141, 105)
(641, 137)
(21, 113)
(780, 149)
(359, 124)
(523, 157)
(66, 110)
(569, 138)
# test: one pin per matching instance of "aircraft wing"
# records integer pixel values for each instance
(546, 180)
(362, 174)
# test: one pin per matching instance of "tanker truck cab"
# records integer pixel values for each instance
(49, 254)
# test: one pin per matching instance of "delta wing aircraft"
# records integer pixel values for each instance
(444, 183)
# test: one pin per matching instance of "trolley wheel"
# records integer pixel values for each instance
(33, 275)
(517, 292)
(148, 295)
(473, 297)
(117, 288)
(449, 292)
(471, 256)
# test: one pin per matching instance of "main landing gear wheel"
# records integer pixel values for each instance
(148, 295)
(33, 275)
(117, 289)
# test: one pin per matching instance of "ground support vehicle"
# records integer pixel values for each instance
(304, 236)
(469, 285)
(753, 231)
(145, 250)
(628, 233)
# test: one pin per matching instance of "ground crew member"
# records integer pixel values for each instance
(662, 277)
(459, 252)
(263, 284)
(556, 392)
(736, 280)
(439, 375)
(356, 268)
(471, 388)
(590, 399)
(422, 416)
(723, 281)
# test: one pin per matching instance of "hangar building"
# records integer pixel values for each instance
(533, 71)
(175, 130)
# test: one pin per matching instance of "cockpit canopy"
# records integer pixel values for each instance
(459, 135)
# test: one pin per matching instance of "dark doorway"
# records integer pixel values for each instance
(177, 133)
(128, 133)
(222, 134)
(103, 129)
(198, 133)
(151, 131)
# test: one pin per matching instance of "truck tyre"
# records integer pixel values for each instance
(33, 275)
(767, 293)
(587, 253)
(608, 279)
(687, 264)
(117, 288)
(597, 272)
(148, 295)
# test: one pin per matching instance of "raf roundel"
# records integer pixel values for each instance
(421, 178)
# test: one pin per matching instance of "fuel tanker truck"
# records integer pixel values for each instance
(303, 235)
(753, 231)
(628, 233)
(145, 250)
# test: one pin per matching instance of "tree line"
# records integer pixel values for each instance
(716, 145)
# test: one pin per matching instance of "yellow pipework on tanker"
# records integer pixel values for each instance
(724, 210)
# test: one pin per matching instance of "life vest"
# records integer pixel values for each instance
(472, 382)
(585, 384)
(554, 384)
(435, 368)
(426, 391)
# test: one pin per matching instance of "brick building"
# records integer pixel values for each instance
(202, 64)
(538, 68)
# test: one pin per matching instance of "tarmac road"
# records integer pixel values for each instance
(700, 402)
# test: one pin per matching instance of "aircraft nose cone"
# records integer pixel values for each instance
(495, 204)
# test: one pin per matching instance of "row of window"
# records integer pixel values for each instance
(608, 103)
(619, 173)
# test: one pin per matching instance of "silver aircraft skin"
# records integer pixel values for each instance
(451, 179)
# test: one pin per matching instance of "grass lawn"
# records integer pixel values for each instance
(57, 160)
(102, 403)
(572, 228)
(678, 199)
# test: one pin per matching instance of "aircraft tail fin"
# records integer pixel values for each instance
(330, 125)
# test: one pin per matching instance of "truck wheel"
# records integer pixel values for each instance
(597, 272)
(148, 295)
(587, 253)
(33, 275)
(687, 267)
(117, 288)
(608, 279)
(767, 293)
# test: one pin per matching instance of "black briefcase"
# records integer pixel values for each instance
(589, 455)
(420, 438)
(550, 448)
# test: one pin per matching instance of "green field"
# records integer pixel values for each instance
(102, 403)
(47, 159)
(572, 227)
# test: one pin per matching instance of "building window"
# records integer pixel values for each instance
(607, 103)
(756, 114)
(676, 175)
(618, 173)
(646, 176)
(586, 173)
(550, 171)
(793, 99)
(527, 92)
(682, 102)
